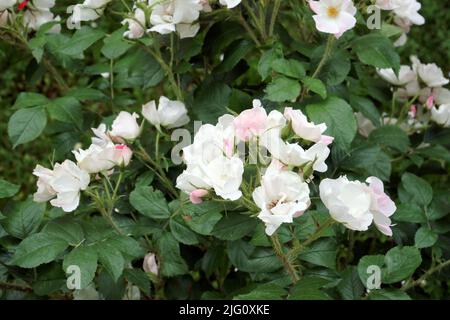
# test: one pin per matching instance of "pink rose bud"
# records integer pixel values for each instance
(412, 111)
(251, 122)
(197, 195)
(430, 102)
(124, 154)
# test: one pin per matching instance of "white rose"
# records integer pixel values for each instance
(334, 16)
(136, 25)
(169, 114)
(175, 15)
(230, 3)
(125, 126)
(408, 9)
(6, 4)
(430, 73)
(282, 196)
(303, 128)
(365, 126)
(442, 115)
(150, 264)
(406, 75)
(89, 10)
(65, 182)
(102, 158)
(357, 205)
(225, 176)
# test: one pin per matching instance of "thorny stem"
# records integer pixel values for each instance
(316, 235)
(16, 287)
(290, 268)
(158, 171)
(249, 30)
(168, 70)
(323, 61)
(410, 284)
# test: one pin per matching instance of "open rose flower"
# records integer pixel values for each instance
(125, 126)
(62, 185)
(305, 129)
(282, 196)
(356, 204)
(334, 16)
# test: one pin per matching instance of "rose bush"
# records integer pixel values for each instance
(195, 149)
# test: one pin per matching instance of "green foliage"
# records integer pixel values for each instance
(57, 86)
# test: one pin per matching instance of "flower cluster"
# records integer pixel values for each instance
(89, 10)
(168, 16)
(109, 149)
(406, 14)
(286, 149)
(36, 13)
(424, 82)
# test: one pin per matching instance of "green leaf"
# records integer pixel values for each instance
(129, 247)
(50, 279)
(30, 99)
(115, 45)
(150, 202)
(390, 136)
(425, 237)
(111, 259)
(309, 288)
(248, 259)
(339, 118)
(388, 294)
(7, 189)
(234, 227)
(283, 89)
(376, 50)
(65, 228)
(38, 249)
(267, 58)
(66, 109)
(24, 219)
(322, 253)
(182, 233)
(316, 86)
(25, 125)
(139, 278)
(267, 291)
(409, 212)
(336, 69)
(401, 262)
(234, 53)
(172, 264)
(414, 189)
(85, 94)
(289, 67)
(82, 39)
(204, 223)
(366, 107)
(369, 161)
(211, 101)
(85, 258)
(363, 267)
(350, 287)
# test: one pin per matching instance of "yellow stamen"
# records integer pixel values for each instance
(332, 12)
